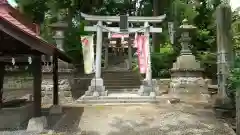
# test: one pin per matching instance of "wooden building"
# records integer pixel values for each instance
(20, 39)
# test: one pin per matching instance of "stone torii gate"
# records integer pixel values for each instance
(97, 87)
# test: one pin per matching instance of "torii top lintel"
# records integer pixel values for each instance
(153, 19)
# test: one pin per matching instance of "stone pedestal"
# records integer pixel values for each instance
(148, 88)
(189, 89)
(96, 88)
(186, 80)
(38, 124)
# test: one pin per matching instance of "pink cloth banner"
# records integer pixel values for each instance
(118, 35)
(140, 42)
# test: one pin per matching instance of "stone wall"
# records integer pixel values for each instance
(17, 82)
(72, 85)
(64, 82)
(164, 84)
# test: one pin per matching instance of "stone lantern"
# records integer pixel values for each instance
(186, 74)
(64, 69)
(59, 27)
(186, 64)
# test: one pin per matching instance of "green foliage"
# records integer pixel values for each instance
(72, 43)
(182, 9)
(34, 9)
(234, 79)
(162, 61)
(236, 29)
(208, 63)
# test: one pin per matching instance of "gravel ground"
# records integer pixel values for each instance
(145, 119)
(176, 119)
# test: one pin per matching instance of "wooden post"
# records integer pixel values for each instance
(129, 55)
(2, 72)
(106, 56)
(55, 80)
(37, 82)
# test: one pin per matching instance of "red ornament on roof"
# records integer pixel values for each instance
(12, 15)
(16, 22)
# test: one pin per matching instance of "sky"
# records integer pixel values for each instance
(12, 2)
(234, 3)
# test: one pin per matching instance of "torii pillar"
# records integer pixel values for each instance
(97, 87)
(149, 85)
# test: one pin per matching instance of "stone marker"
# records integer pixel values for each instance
(37, 124)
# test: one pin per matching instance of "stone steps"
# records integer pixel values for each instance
(129, 80)
(121, 81)
(129, 85)
(121, 87)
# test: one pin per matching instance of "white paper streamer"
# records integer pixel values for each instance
(30, 60)
(13, 61)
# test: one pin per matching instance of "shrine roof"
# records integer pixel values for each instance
(13, 24)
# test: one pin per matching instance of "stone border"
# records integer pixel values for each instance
(164, 99)
(107, 99)
(15, 116)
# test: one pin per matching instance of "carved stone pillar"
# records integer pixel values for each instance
(129, 55)
(225, 54)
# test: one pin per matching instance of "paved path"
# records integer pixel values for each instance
(176, 119)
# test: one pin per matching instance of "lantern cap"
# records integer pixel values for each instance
(185, 25)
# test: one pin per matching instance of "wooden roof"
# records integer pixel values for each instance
(12, 25)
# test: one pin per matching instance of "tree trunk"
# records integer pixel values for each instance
(158, 9)
(155, 40)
